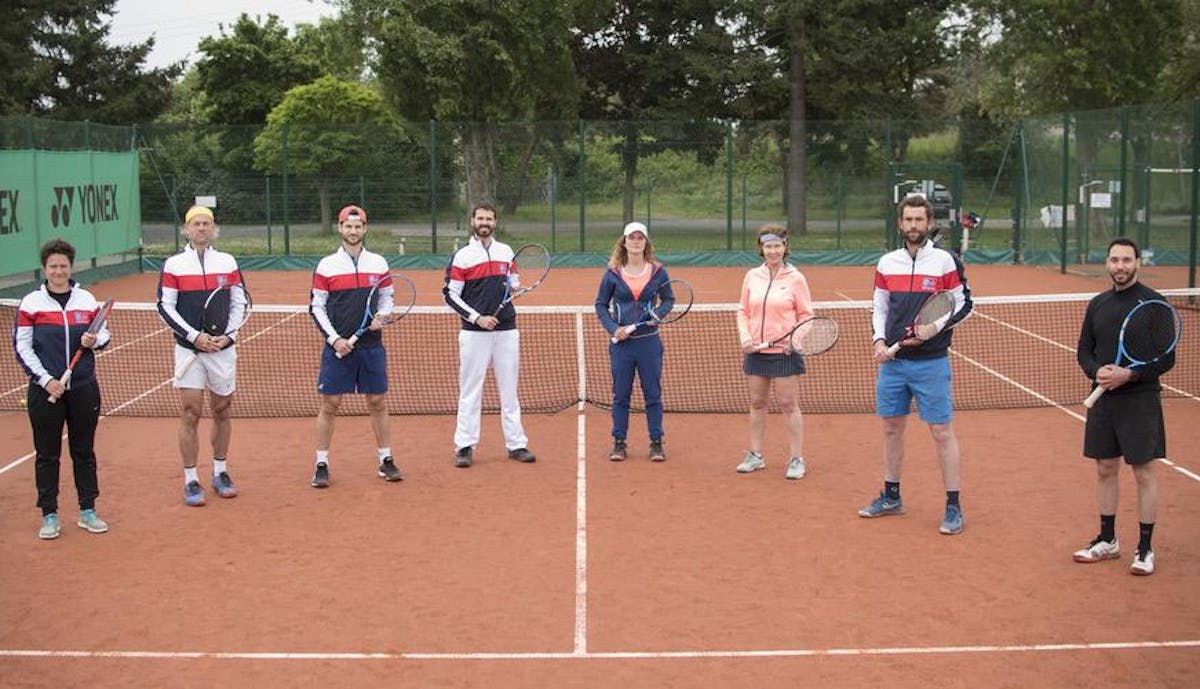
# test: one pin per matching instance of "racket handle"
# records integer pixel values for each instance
(66, 379)
(353, 338)
(182, 369)
(891, 351)
(1091, 399)
(628, 331)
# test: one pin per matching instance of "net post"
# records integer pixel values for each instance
(580, 360)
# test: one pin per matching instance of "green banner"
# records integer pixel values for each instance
(89, 198)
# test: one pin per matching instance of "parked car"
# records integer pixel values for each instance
(942, 201)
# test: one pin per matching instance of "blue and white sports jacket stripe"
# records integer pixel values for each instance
(903, 283)
(46, 335)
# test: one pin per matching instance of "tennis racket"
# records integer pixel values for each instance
(390, 299)
(225, 311)
(531, 261)
(670, 302)
(1149, 332)
(97, 323)
(933, 318)
(810, 337)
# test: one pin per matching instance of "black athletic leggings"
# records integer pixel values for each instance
(79, 409)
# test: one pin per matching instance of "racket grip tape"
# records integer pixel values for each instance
(65, 380)
(1091, 399)
(628, 330)
(352, 339)
(895, 347)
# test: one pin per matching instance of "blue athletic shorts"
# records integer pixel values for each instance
(363, 370)
(900, 380)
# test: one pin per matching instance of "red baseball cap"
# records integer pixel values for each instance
(352, 212)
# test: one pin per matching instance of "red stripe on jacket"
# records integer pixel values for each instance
(480, 270)
(337, 283)
(917, 282)
(201, 283)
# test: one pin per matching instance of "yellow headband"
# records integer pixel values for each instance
(197, 210)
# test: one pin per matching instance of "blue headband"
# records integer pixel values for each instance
(770, 237)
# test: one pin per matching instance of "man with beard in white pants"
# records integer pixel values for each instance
(475, 285)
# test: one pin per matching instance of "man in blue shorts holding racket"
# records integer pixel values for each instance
(1127, 420)
(184, 285)
(475, 286)
(341, 286)
(904, 279)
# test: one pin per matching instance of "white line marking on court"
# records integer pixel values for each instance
(581, 498)
(615, 655)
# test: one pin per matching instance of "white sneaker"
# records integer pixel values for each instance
(752, 462)
(1143, 564)
(796, 469)
(1099, 550)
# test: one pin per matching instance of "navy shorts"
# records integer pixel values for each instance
(363, 370)
(1129, 426)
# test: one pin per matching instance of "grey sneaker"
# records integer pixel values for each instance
(617, 454)
(752, 462)
(523, 455)
(388, 470)
(1098, 550)
(656, 451)
(882, 507)
(952, 523)
(90, 521)
(463, 457)
(224, 485)
(320, 477)
(796, 468)
(50, 528)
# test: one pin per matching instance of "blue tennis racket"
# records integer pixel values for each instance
(1149, 332)
(391, 298)
(529, 269)
(670, 302)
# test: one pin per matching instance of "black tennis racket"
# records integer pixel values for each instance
(1149, 332)
(667, 304)
(528, 271)
(933, 318)
(391, 298)
(810, 337)
(226, 310)
(98, 321)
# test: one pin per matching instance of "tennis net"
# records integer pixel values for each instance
(1012, 352)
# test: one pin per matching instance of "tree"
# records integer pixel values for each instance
(336, 44)
(662, 60)
(334, 128)
(58, 63)
(244, 74)
(477, 62)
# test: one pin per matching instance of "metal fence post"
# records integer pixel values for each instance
(270, 251)
(433, 186)
(287, 229)
(729, 186)
(1066, 192)
(1121, 208)
(1195, 191)
(581, 183)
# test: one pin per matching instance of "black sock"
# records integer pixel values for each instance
(892, 489)
(951, 497)
(1145, 531)
(1108, 527)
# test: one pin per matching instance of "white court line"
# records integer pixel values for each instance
(581, 499)
(25, 458)
(616, 655)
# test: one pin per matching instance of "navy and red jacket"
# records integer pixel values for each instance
(902, 284)
(47, 334)
(616, 305)
(476, 282)
(186, 280)
(340, 288)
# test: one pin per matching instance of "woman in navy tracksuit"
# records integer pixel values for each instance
(626, 292)
(52, 323)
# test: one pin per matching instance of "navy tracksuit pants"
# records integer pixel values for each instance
(643, 356)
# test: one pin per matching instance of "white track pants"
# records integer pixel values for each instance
(478, 350)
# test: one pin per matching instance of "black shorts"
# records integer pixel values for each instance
(1126, 425)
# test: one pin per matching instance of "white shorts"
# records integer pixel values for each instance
(216, 371)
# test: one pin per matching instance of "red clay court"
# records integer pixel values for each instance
(576, 571)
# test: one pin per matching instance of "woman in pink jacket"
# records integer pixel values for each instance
(774, 299)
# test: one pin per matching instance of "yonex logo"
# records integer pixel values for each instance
(97, 203)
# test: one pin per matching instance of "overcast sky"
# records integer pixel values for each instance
(178, 25)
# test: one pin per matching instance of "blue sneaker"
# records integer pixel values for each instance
(882, 507)
(224, 485)
(193, 494)
(90, 521)
(952, 523)
(50, 528)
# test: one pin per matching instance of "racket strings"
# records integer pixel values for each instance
(816, 336)
(1150, 333)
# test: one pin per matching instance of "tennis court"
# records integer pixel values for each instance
(576, 571)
